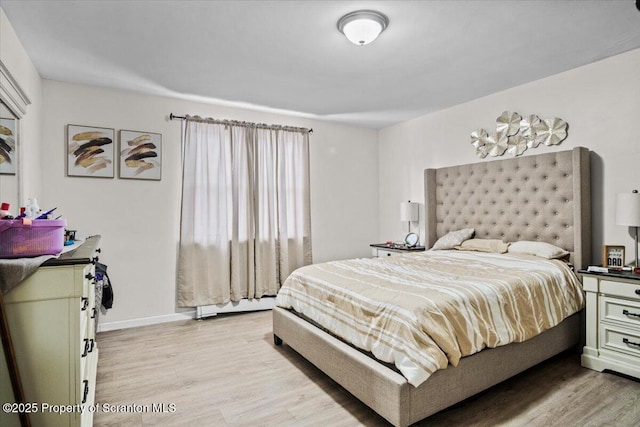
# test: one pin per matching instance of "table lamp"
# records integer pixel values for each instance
(628, 213)
(408, 212)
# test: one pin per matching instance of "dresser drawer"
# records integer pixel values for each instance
(624, 312)
(88, 279)
(619, 339)
(612, 339)
(620, 289)
(383, 253)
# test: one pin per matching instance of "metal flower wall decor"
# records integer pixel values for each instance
(514, 134)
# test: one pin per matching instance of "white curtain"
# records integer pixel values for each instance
(245, 223)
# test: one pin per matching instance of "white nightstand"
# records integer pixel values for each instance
(382, 249)
(613, 322)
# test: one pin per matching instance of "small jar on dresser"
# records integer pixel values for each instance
(51, 317)
(613, 322)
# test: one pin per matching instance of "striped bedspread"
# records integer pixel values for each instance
(424, 311)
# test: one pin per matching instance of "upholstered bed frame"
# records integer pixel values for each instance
(542, 197)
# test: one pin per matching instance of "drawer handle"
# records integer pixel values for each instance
(627, 342)
(92, 345)
(628, 313)
(89, 276)
(86, 347)
(86, 391)
(85, 303)
(94, 310)
(637, 291)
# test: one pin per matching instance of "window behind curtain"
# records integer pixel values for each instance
(245, 223)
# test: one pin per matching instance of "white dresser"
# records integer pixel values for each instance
(51, 317)
(613, 322)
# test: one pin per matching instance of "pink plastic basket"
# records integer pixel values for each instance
(42, 237)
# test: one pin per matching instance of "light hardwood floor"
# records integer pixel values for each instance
(225, 371)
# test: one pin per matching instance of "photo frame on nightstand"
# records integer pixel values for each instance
(613, 256)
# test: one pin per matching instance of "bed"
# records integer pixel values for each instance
(540, 198)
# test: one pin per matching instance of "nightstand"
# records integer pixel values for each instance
(383, 249)
(613, 322)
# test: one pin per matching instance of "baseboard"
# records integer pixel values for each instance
(145, 321)
(264, 303)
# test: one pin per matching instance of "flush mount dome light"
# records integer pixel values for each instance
(363, 26)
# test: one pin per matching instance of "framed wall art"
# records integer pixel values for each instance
(90, 151)
(8, 153)
(140, 155)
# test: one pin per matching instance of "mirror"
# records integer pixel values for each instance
(10, 386)
(411, 240)
(9, 159)
(13, 106)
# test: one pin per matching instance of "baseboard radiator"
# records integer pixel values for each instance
(264, 303)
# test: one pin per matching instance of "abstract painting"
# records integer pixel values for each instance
(140, 155)
(8, 156)
(90, 151)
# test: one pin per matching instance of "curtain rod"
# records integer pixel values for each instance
(237, 123)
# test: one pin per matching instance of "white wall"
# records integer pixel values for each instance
(358, 176)
(139, 220)
(601, 104)
(15, 58)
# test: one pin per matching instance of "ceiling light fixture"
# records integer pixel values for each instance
(363, 26)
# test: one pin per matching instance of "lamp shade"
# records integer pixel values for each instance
(628, 209)
(408, 211)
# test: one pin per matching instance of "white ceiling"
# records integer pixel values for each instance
(288, 56)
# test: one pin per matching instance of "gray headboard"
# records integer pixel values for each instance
(544, 197)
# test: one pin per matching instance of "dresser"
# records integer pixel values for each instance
(612, 322)
(383, 249)
(51, 317)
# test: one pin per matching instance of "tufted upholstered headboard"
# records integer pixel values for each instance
(544, 197)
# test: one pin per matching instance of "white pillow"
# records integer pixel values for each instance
(541, 249)
(453, 239)
(484, 245)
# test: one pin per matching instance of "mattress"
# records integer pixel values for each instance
(424, 311)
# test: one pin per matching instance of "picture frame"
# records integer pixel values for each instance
(140, 155)
(90, 151)
(613, 256)
(8, 147)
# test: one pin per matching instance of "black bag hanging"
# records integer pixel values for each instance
(107, 290)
